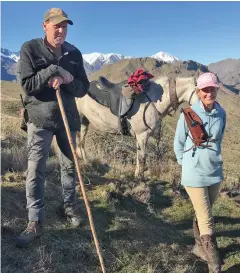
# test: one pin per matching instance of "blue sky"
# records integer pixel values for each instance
(202, 31)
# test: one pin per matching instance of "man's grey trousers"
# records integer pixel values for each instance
(39, 144)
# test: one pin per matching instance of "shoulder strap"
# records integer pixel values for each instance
(191, 117)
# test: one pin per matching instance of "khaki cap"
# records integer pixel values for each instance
(56, 16)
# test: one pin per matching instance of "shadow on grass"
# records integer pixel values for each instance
(65, 250)
(217, 219)
(125, 226)
(226, 220)
(233, 269)
(139, 223)
(231, 233)
(229, 250)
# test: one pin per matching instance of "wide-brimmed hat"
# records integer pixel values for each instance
(56, 16)
(206, 80)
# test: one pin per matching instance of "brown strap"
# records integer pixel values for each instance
(173, 93)
(202, 145)
(191, 115)
(189, 149)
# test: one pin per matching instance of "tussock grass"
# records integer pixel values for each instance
(141, 226)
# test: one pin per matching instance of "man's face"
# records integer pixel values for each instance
(55, 33)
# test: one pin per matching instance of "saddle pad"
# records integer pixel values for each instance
(99, 95)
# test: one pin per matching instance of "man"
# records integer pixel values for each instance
(45, 65)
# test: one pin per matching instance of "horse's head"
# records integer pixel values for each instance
(190, 95)
(176, 91)
(186, 90)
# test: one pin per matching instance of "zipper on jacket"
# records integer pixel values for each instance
(59, 58)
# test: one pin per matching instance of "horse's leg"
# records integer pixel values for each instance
(81, 139)
(141, 154)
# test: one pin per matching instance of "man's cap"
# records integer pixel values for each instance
(206, 80)
(56, 16)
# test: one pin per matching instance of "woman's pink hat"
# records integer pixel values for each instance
(206, 80)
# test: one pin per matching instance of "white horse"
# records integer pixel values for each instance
(144, 117)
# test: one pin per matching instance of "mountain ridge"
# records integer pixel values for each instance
(227, 70)
(92, 61)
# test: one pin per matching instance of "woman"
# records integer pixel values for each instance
(202, 170)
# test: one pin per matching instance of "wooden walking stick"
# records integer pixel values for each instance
(59, 98)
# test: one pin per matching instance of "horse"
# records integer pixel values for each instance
(144, 116)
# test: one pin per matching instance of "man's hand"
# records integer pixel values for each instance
(55, 82)
(67, 77)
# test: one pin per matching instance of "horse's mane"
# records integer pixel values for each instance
(165, 79)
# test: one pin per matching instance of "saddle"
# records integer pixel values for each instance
(110, 95)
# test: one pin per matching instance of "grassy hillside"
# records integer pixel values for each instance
(142, 226)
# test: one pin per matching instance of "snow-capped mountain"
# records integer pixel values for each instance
(8, 64)
(97, 60)
(5, 53)
(163, 56)
(88, 68)
(91, 58)
(92, 61)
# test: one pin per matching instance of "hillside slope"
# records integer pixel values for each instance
(228, 72)
(142, 227)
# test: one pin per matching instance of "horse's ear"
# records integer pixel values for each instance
(198, 73)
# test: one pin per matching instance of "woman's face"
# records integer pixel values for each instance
(207, 95)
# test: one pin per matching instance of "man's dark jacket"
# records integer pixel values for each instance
(37, 65)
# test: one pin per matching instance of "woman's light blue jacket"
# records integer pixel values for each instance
(204, 167)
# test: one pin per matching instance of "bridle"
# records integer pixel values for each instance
(190, 98)
(174, 102)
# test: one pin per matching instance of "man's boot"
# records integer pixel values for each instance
(31, 233)
(198, 248)
(209, 244)
(72, 216)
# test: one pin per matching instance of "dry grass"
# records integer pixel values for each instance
(142, 226)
